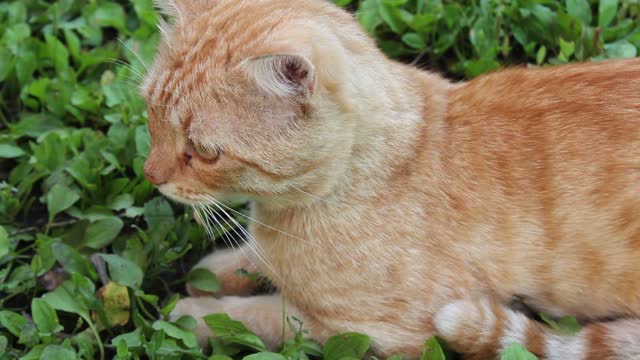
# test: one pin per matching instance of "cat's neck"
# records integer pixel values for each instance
(390, 111)
(392, 127)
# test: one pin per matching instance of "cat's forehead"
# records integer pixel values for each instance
(204, 56)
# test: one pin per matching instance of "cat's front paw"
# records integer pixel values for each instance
(198, 308)
(260, 314)
(225, 264)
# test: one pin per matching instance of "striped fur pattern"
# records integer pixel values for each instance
(383, 196)
(485, 328)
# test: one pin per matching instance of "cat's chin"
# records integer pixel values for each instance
(195, 199)
(170, 191)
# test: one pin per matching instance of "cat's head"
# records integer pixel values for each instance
(243, 99)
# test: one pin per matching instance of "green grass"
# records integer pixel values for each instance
(92, 259)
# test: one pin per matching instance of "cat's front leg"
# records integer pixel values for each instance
(225, 264)
(260, 314)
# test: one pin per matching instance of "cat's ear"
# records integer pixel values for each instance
(282, 75)
(182, 10)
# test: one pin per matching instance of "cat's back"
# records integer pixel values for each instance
(579, 89)
(565, 112)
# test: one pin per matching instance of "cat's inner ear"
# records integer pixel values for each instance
(282, 75)
(182, 10)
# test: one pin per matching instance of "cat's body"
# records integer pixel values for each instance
(392, 202)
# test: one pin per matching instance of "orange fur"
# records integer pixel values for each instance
(383, 194)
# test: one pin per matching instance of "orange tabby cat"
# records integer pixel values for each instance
(392, 202)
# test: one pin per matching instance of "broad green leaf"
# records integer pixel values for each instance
(34, 125)
(473, 68)
(342, 2)
(81, 170)
(414, 40)
(4, 242)
(110, 14)
(567, 48)
(9, 151)
(45, 317)
(312, 347)
(621, 49)
(122, 350)
(567, 325)
(71, 260)
(66, 298)
(34, 354)
(132, 339)
(233, 331)
(143, 141)
(395, 3)
(73, 43)
(579, 9)
(122, 201)
(12, 321)
(541, 55)
(123, 271)
(158, 212)
(432, 350)
(134, 212)
(170, 304)
(102, 232)
(607, 10)
(17, 12)
(29, 335)
(203, 279)
(86, 344)
(187, 337)
(26, 66)
(3, 344)
(6, 63)
(15, 37)
(58, 53)
(392, 17)
(84, 99)
(349, 345)
(187, 322)
(58, 352)
(369, 15)
(517, 352)
(219, 357)
(264, 356)
(146, 11)
(60, 198)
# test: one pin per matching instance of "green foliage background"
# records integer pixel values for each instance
(91, 258)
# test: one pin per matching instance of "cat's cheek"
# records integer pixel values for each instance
(219, 176)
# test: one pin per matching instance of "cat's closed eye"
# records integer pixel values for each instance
(204, 153)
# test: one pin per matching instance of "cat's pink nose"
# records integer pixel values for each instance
(156, 173)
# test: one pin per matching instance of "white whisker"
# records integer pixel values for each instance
(249, 238)
(258, 252)
(314, 196)
(230, 239)
(265, 225)
(127, 66)
(208, 227)
(137, 56)
(132, 80)
(225, 235)
(128, 83)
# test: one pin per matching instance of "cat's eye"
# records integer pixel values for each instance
(206, 152)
